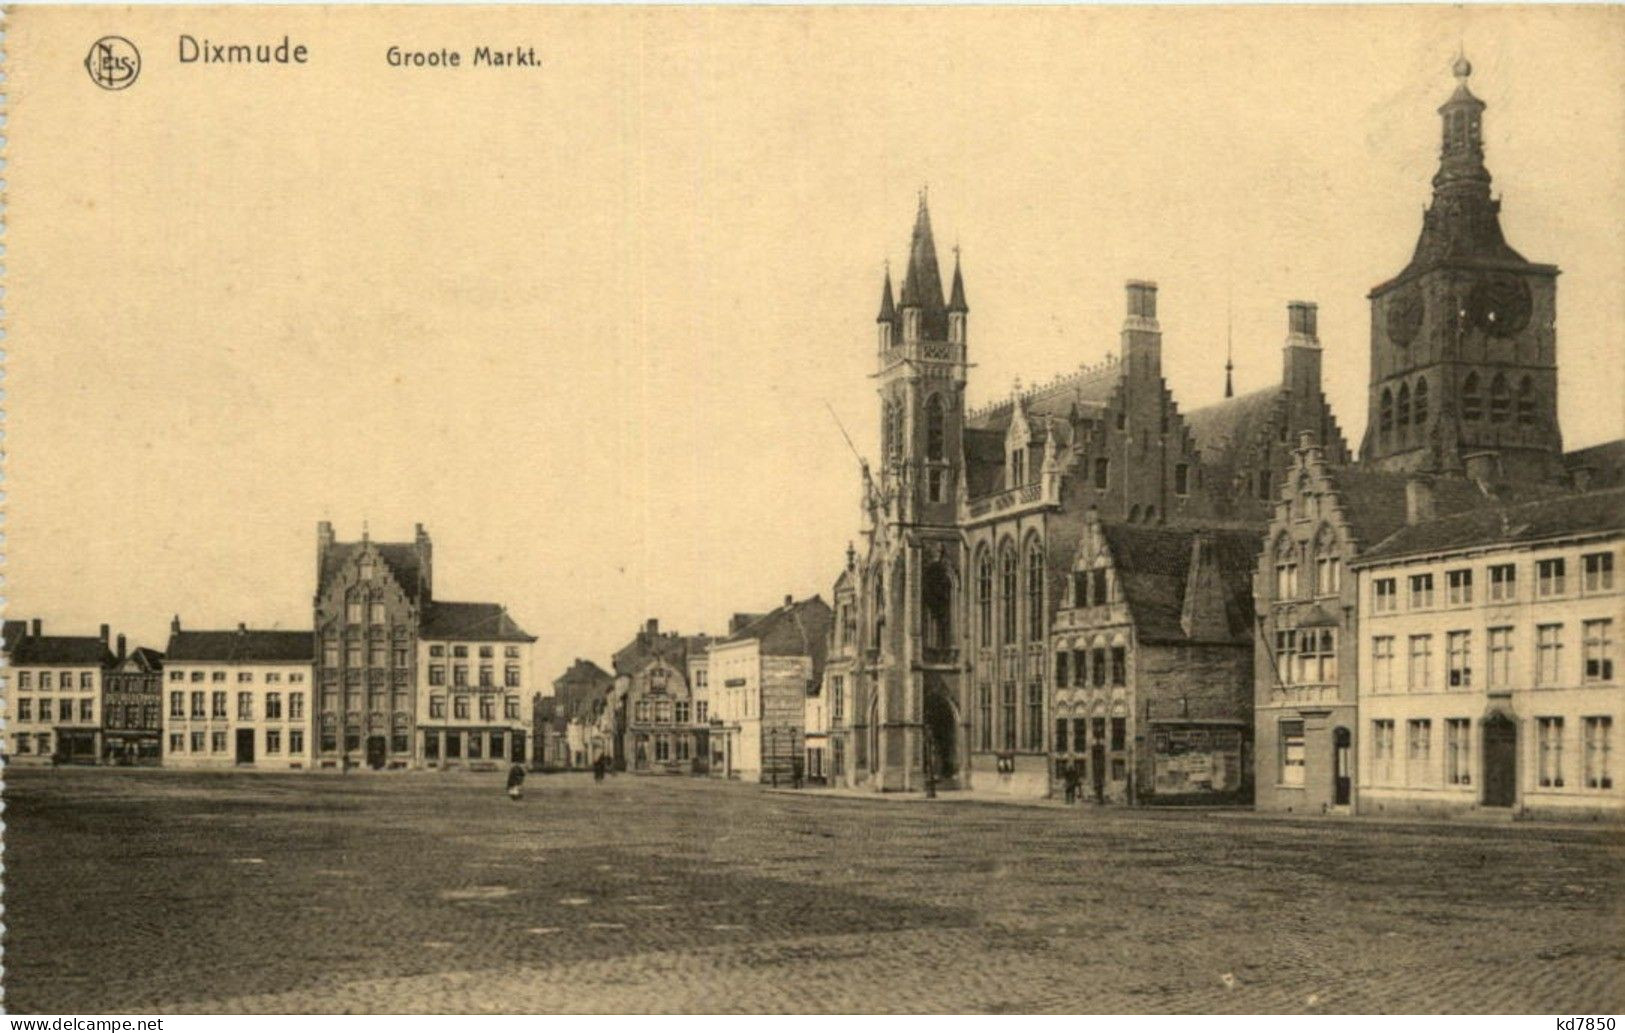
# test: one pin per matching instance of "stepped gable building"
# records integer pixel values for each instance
(371, 598)
(1152, 665)
(1464, 339)
(974, 517)
(1306, 657)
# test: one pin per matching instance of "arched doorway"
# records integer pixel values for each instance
(1342, 766)
(1500, 760)
(941, 730)
(936, 605)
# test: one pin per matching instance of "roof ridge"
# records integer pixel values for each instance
(1084, 373)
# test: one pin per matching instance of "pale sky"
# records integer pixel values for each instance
(583, 321)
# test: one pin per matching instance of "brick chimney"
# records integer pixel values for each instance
(425, 549)
(1418, 500)
(1142, 334)
(37, 628)
(1300, 367)
(651, 627)
(105, 632)
(121, 646)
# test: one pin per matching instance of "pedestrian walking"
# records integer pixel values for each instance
(598, 768)
(1072, 780)
(516, 780)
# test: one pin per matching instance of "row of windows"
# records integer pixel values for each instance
(64, 709)
(666, 748)
(476, 743)
(1096, 734)
(216, 742)
(1596, 655)
(243, 677)
(245, 705)
(1551, 581)
(1320, 559)
(63, 679)
(1554, 766)
(1098, 667)
(485, 652)
(1306, 656)
(131, 715)
(667, 711)
(1012, 727)
(459, 676)
(1596, 658)
(1009, 594)
(488, 707)
(1398, 411)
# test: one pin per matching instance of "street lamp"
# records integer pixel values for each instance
(773, 755)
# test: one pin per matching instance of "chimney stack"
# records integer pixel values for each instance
(652, 626)
(35, 632)
(175, 624)
(1483, 469)
(242, 629)
(1418, 500)
(1142, 334)
(789, 601)
(121, 646)
(104, 633)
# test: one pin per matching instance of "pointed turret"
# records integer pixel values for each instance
(925, 314)
(886, 321)
(957, 309)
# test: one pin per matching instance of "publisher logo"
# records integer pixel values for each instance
(113, 62)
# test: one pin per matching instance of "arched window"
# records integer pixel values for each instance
(1421, 402)
(936, 605)
(1472, 398)
(1286, 567)
(1402, 417)
(1134, 514)
(984, 596)
(1526, 401)
(1007, 592)
(1385, 413)
(934, 435)
(1035, 592)
(1328, 566)
(1151, 514)
(878, 609)
(1500, 400)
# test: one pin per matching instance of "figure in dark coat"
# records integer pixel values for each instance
(516, 780)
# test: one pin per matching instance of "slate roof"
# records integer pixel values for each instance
(1606, 461)
(66, 650)
(579, 689)
(1224, 430)
(13, 631)
(1153, 566)
(799, 629)
(1085, 389)
(400, 558)
(476, 622)
(151, 657)
(1492, 524)
(241, 647)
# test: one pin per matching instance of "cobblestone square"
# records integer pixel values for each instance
(191, 892)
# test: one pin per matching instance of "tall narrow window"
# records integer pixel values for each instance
(1599, 651)
(1419, 752)
(984, 711)
(1008, 594)
(1549, 732)
(1102, 469)
(1421, 402)
(1292, 754)
(1008, 714)
(1599, 571)
(1035, 714)
(1458, 759)
(1035, 592)
(1382, 663)
(1548, 654)
(1458, 653)
(984, 597)
(1385, 414)
(1402, 416)
(1599, 743)
(1472, 398)
(1526, 401)
(1500, 674)
(1500, 399)
(935, 437)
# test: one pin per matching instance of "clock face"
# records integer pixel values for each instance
(1499, 306)
(1405, 316)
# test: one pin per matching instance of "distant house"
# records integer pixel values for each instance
(132, 707)
(761, 676)
(474, 661)
(659, 722)
(56, 689)
(1153, 675)
(569, 715)
(238, 699)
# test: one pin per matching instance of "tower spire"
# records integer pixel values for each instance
(1229, 346)
(888, 310)
(956, 300)
(922, 283)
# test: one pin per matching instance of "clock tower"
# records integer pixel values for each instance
(1464, 340)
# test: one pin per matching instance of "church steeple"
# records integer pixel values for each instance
(1461, 156)
(922, 284)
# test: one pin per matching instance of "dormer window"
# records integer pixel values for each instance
(367, 570)
(1018, 471)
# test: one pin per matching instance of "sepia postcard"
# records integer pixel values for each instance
(814, 510)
